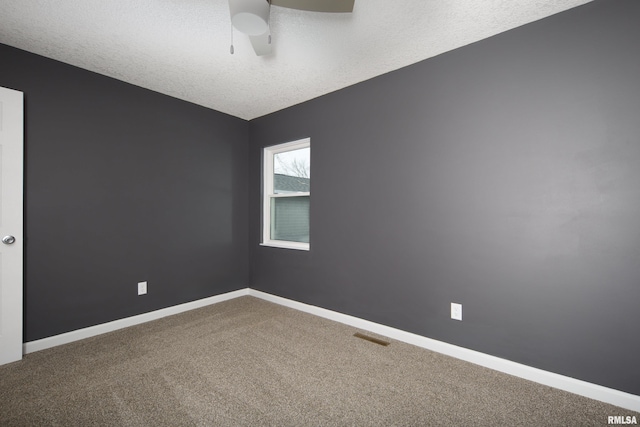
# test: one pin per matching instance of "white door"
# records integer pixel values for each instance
(11, 234)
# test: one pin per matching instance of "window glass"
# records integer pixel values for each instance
(290, 219)
(292, 171)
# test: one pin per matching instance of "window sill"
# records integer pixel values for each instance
(286, 245)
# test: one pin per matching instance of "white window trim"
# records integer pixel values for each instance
(267, 193)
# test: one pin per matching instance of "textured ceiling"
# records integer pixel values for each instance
(181, 47)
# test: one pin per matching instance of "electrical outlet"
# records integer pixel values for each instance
(456, 311)
(142, 288)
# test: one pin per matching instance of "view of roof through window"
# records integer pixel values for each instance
(292, 171)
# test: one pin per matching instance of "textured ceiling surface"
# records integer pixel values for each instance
(181, 47)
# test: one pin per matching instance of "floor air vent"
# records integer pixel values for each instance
(372, 339)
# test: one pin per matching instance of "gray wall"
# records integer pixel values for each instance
(504, 175)
(123, 185)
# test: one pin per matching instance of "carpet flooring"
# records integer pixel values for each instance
(248, 362)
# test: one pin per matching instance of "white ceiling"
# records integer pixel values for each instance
(181, 47)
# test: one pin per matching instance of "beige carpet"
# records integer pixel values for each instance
(247, 362)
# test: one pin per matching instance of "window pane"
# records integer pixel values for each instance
(290, 218)
(292, 171)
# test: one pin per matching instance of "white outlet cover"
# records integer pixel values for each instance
(142, 288)
(456, 311)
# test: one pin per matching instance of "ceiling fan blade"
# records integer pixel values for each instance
(338, 6)
(261, 43)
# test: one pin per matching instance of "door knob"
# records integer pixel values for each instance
(7, 240)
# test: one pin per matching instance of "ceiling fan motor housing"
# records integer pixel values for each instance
(250, 16)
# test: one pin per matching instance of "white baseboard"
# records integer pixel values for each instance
(91, 331)
(583, 388)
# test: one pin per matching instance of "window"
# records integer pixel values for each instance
(287, 195)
